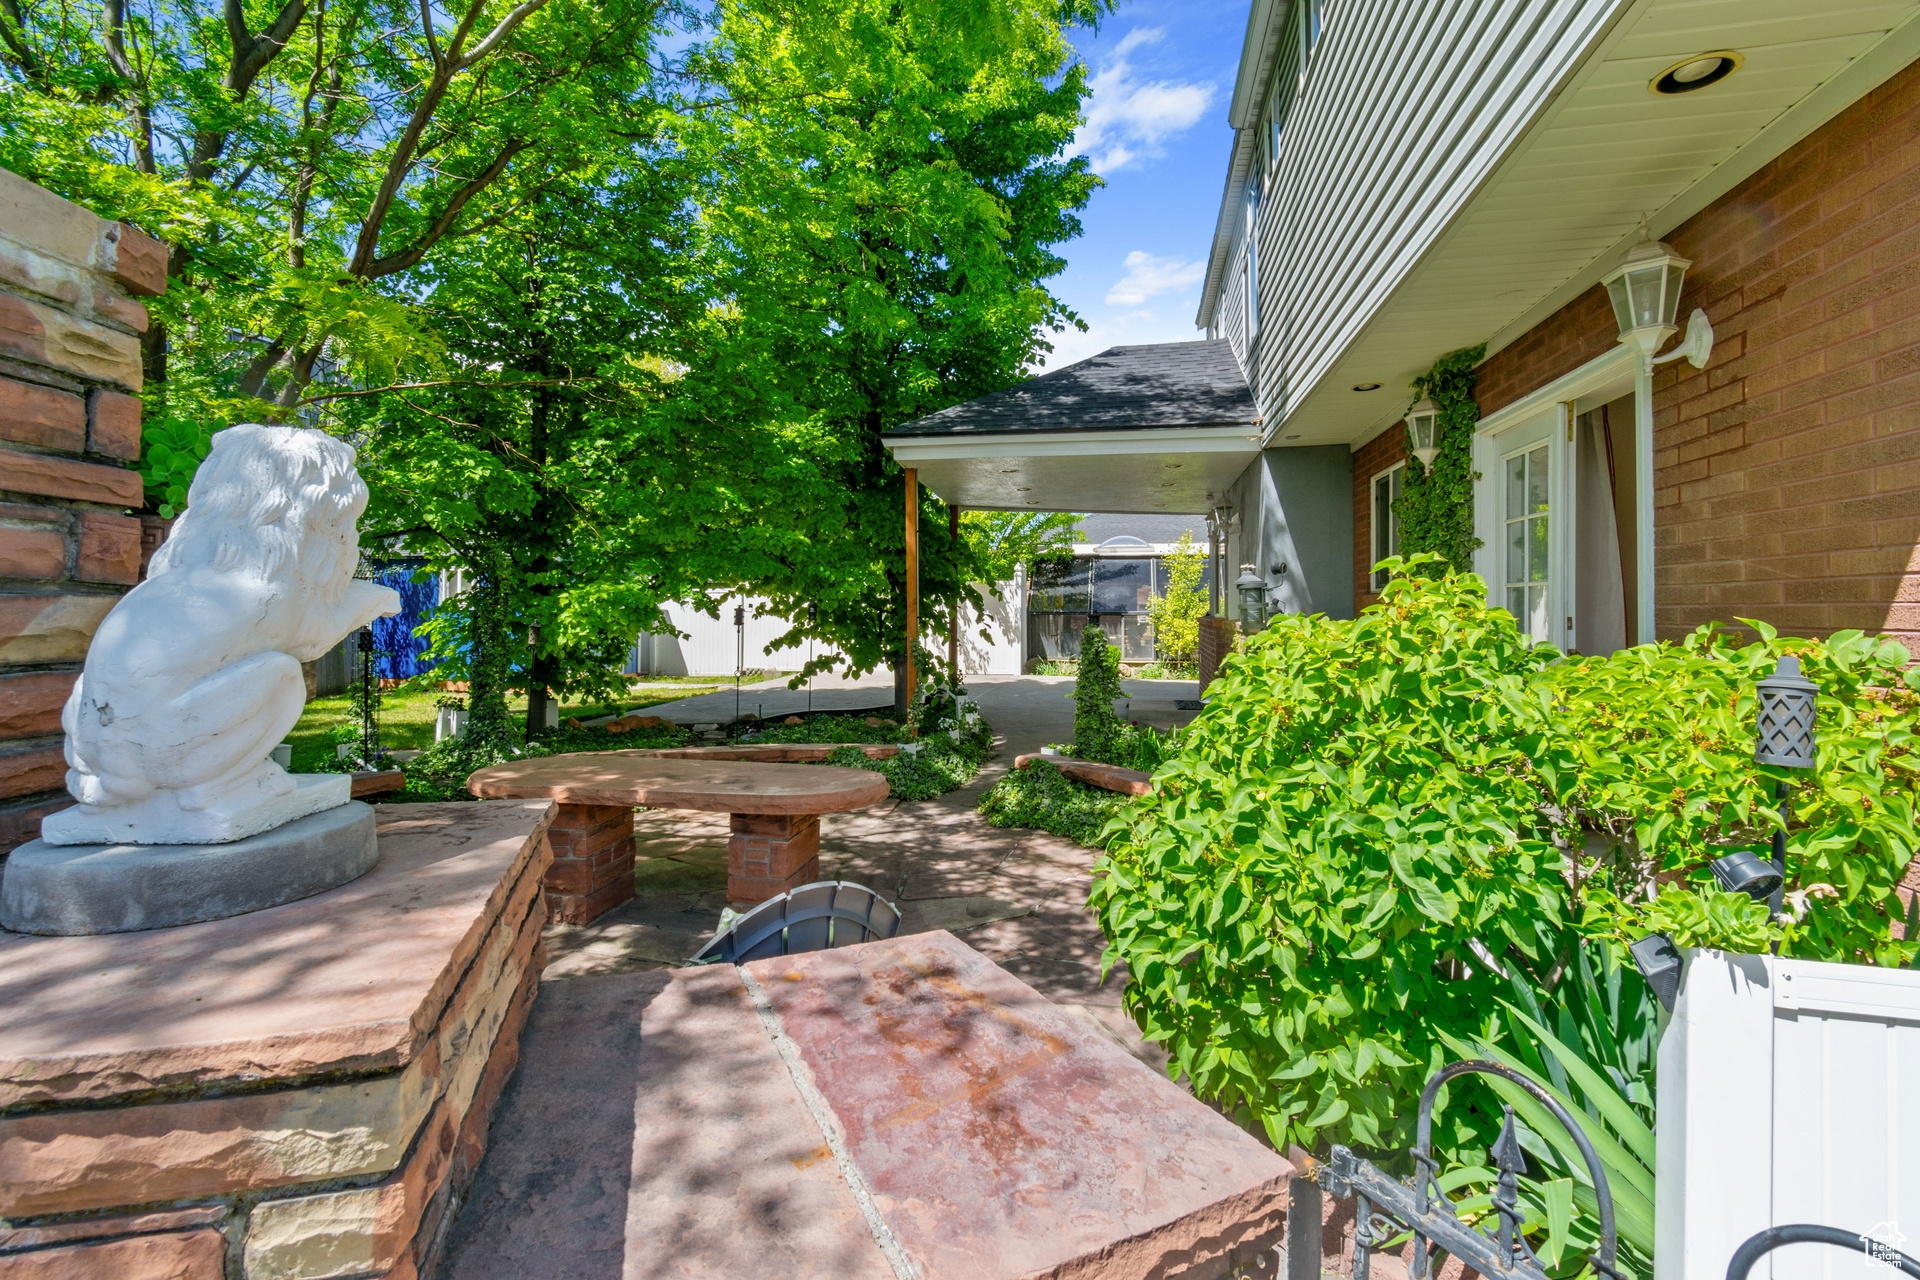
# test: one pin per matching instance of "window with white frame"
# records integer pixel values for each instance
(1386, 521)
(1313, 22)
(1253, 260)
(1525, 544)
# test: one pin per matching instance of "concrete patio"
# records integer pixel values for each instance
(551, 1197)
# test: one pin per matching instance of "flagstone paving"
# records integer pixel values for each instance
(550, 1198)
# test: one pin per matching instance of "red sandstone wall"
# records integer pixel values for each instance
(1373, 457)
(1787, 473)
(69, 435)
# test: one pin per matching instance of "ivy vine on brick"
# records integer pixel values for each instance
(1436, 506)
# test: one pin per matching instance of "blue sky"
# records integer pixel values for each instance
(1162, 74)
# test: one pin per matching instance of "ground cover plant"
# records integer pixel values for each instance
(1044, 799)
(1374, 818)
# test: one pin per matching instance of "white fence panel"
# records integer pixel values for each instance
(1783, 1088)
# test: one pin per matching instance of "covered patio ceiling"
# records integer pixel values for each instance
(1159, 428)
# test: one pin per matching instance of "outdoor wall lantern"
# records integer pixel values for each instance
(1423, 432)
(1253, 599)
(1788, 704)
(1645, 292)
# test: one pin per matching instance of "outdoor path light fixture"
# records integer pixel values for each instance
(1788, 703)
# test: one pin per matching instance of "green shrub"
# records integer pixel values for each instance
(833, 728)
(942, 764)
(1368, 809)
(1041, 797)
(1098, 732)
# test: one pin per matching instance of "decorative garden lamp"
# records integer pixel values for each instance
(1788, 703)
(1253, 599)
(1423, 432)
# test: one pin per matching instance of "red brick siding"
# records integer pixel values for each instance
(1787, 473)
(1373, 457)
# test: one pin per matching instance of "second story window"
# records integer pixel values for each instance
(1386, 523)
(1253, 258)
(1313, 21)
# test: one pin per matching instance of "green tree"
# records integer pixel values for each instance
(302, 158)
(882, 189)
(1176, 615)
(1004, 542)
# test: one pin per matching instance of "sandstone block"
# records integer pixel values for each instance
(113, 424)
(64, 478)
(39, 552)
(20, 820)
(37, 415)
(30, 702)
(24, 772)
(137, 260)
(189, 1255)
(43, 334)
(109, 548)
(37, 219)
(153, 532)
(37, 630)
(19, 1239)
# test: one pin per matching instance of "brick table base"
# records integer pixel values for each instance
(770, 854)
(592, 870)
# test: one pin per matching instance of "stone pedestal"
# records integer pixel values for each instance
(592, 870)
(117, 888)
(770, 854)
(312, 1082)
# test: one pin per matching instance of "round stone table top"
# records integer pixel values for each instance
(711, 786)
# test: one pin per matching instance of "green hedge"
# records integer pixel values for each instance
(1369, 811)
(1041, 797)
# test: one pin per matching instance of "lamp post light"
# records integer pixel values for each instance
(1423, 432)
(1789, 703)
(1253, 599)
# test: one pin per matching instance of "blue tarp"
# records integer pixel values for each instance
(398, 652)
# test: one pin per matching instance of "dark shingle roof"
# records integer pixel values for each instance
(1168, 384)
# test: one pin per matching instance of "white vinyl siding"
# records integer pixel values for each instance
(1405, 109)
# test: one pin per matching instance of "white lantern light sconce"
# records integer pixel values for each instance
(1423, 432)
(1645, 292)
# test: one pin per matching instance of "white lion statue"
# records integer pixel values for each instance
(195, 676)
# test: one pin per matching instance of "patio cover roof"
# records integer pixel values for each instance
(1149, 428)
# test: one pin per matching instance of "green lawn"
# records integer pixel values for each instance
(406, 718)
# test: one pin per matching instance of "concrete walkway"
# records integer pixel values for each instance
(550, 1199)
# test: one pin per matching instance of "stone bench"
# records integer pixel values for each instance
(1107, 777)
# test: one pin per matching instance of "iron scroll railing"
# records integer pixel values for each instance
(1765, 1242)
(1387, 1207)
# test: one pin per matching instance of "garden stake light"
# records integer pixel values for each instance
(1788, 704)
(740, 653)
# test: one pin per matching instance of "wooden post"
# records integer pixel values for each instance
(953, 605)
(913, 575)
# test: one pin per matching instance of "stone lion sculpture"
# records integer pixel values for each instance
(195, 676)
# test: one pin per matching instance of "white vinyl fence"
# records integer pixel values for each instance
(1789, 1092)
(713, 646)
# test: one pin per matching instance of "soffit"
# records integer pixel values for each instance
(1561, 207)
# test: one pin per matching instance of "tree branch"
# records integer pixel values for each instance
(508, 384)
(448, 216)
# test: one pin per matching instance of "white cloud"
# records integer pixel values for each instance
(1129, 118)
(1149, 277)
(1133, 329)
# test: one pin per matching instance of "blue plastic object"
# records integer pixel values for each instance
(814, 917)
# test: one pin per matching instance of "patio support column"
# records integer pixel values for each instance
(913, 575)
(1643, 498)
(953, 605)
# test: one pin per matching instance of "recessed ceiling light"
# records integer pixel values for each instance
(1174, 466)
(1366, 386)
(1697, 72)
(1025, 489)
(1294, 436)
(1010, 471)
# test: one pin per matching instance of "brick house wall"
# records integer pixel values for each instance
(69, 436)
(1373, 457)
(1787, 472)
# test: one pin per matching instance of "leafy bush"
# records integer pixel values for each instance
(1041, 797)
(833, 728)
(1098, 732)
(1369, 811)
(1176, 614)
(943, 763)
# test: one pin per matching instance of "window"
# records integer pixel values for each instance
(1526, 540)
(1386, 521)
(1253, 261)
(1313, 21)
